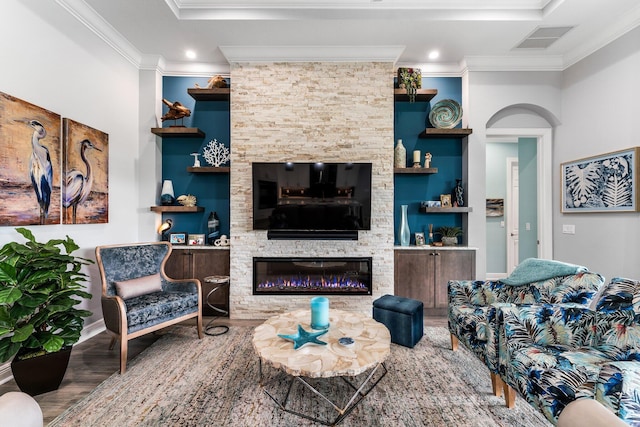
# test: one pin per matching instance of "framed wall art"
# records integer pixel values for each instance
(495, 207)
(30, 153)
(445, 200)
(605, 183)
(85, 187)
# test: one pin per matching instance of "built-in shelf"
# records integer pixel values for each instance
(208, 169)
(178, 132)
(417, 171)
(177, 208)
(213, 94)
(445, 133)
(446, 210)
(423, 95)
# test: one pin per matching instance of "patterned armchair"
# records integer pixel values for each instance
(138, 297)
(474, 307)
(555, 354)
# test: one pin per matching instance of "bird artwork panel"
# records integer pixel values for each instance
(85, 178)
(30, 163)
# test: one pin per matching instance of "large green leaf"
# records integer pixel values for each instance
(8, 349)
(23, 333)
(53, 344)
(10, 295)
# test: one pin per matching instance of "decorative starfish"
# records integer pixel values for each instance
(303, 337)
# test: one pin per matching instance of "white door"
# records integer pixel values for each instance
(511, 213)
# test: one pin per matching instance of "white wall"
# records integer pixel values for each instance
(52, 60)
(600, 112)
(489, 93)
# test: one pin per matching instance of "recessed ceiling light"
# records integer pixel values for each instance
(190, 54)
(434, 54)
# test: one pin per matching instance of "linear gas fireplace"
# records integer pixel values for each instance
(294, 276)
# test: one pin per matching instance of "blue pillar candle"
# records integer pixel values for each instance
(319, 313)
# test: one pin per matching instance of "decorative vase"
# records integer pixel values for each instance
(167, 196)
(400, 155)
(457, 194)
(404, 233)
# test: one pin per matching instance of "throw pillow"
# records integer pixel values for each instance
(141, 286)
(533, 270)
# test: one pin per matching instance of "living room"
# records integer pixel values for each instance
(58, 58)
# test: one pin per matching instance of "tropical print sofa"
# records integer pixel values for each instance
(474, 306)
(553, 354)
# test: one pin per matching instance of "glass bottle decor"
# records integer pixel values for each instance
(400, 155)
(403, 232)
(213, 228)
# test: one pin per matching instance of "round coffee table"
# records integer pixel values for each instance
(372, 345)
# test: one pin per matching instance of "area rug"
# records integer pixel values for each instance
(182, 381)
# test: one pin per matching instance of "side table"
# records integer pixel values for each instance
(220, 281)
(366, 356)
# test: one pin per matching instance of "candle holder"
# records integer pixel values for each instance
(319, 313)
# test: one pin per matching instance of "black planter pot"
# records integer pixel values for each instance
(41, 374)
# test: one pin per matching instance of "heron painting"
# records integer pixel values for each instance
(85, 184)
(30, 152)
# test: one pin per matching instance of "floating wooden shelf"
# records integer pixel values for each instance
(423, 95)
(178, 132)
(445, 210)
(417, 171)
(445, 133)
(209, 169)
(213, 94)
(176, 208)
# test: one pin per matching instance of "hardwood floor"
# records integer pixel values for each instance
(92, 362)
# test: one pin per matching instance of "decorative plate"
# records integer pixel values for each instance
(446, 114)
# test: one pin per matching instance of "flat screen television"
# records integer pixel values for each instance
(311, 200)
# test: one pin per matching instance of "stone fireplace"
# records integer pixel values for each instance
(312, 276)
(308, 112)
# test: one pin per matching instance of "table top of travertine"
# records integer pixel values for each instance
(372, 344)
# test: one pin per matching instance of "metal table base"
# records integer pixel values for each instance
(209, 328)
(360, 392)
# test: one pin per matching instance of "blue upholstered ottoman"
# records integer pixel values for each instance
(402, 316)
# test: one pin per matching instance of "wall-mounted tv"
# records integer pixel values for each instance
(294, 200)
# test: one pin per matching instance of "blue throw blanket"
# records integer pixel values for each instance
(534, 270)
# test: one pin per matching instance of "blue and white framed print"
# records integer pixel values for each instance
(605, 183)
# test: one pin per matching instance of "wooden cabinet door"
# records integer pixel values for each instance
(178, 266)
(211, 263)
(452, 265)
(412, 277)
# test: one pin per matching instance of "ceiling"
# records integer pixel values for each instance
(470, 34)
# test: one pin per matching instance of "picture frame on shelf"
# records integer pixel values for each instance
(603, 183)
(196, 239)
(445, 200)
(420, 239)
(178, 238)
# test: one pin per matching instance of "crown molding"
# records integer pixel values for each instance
(512, 63)
(312, 53)
(101, 28)
(625, 24)
(495, 10)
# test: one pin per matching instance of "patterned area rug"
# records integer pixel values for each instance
(183, 381)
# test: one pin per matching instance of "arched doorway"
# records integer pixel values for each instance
(530, 129)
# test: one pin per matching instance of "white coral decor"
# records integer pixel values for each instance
(216, 154)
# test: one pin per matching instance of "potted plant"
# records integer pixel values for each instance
(449, 235)
(39, 286)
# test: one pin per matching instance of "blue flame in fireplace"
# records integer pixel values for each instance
(309, 283)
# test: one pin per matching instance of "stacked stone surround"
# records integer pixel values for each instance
(310, 111)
